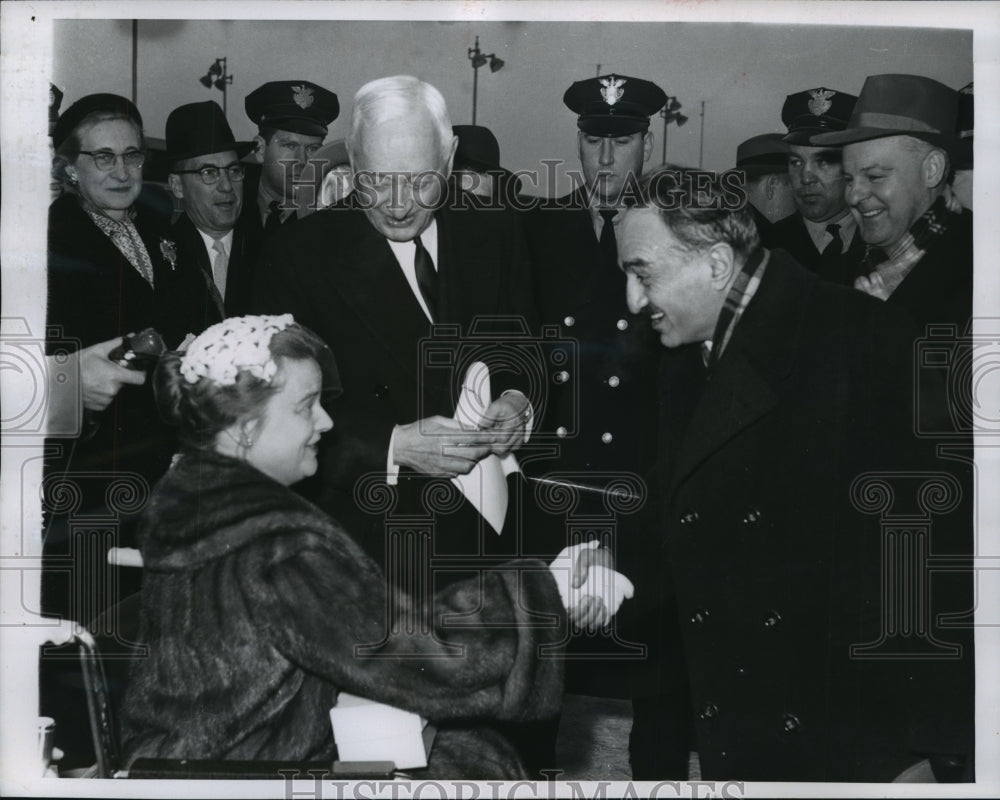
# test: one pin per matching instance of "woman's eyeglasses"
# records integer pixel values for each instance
(105, 160)
(211, 175)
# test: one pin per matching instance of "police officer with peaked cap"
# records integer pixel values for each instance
(292, 118)
(602, 405)
(821, 234)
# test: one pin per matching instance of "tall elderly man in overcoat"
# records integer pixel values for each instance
(372, 277)
(776, 492)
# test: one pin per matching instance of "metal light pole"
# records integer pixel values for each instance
(670, 113)
(701, 146)
(219, 77)
(479, 59)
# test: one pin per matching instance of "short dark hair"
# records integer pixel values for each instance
(204, 409)
(698, 207)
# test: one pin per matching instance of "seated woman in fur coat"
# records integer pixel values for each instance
(258, 609)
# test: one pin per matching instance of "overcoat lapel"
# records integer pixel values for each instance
(371, 281)
(742, 387)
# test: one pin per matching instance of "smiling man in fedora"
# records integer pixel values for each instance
(207, 177)
(897, 161)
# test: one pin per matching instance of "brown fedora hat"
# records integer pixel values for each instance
(901, 105)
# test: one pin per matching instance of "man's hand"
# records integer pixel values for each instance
(591, 612)
(101, 377)
(440, 446)
(872, 284)
(507, 417)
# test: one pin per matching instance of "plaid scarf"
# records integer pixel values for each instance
(893, 266)
(126, 238)
(740, 294)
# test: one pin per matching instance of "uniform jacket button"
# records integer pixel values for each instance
(561, 377)
(699, 616)
(689, 518)
(561, 432)
(613, 381)
(569, 322)
(622, 324)
(709, 711)
(752, 516)
(772, 619)
(606, 437)
(790, 723)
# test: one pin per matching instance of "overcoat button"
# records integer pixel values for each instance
(561, 432)
(569, 322)
(613, 381)
(689, 518)
(606, 437)
(752, 516)
(561, 377)
(699, 616)
(622, 324)
(709, 711)
(772, 619)
(790, 723)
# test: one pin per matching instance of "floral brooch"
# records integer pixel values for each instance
(169, 252)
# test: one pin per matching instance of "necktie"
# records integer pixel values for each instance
(608, 243)
(220, 266)
(836, 247)
(426, 276)
(273, 221)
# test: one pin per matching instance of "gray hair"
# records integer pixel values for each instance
(395, 97)
(702, 208)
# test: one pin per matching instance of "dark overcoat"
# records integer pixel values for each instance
(95, 294)
(601, 405)
(239, 274)
(338, 276)
(775, 562)
(258, 610)
(790, 234)
(938, 290)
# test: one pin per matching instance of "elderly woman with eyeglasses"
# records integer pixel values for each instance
(112, 270)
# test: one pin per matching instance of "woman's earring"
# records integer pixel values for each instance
(246, 440)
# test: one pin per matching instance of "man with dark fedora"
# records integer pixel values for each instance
(763, 160)
(899, 147)
(207, 177)
(821, 234)
(477, 167)
(292, 118)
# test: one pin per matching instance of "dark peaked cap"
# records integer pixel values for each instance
(614, 105)
(200, 129)
(296, 106)
(815, 111)
(902, 105)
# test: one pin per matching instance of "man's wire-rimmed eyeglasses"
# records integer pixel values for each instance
(211, 175)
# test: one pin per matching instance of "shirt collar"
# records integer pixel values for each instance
(227, 242)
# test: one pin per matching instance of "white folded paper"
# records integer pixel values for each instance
(485, 486)
(611, 586)
(368, 731)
